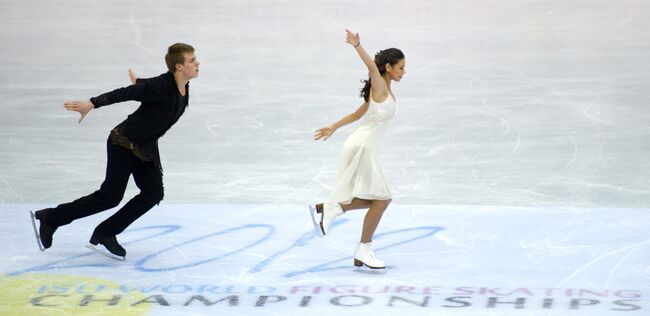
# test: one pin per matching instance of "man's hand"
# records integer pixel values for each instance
(83, 107)
(132, 76)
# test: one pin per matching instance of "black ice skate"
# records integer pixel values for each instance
(116, 251)
(44, 232)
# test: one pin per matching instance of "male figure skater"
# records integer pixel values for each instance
(132, 149)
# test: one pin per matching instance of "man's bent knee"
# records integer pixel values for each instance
(157, 195)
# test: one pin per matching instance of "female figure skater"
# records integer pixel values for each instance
(360, 182)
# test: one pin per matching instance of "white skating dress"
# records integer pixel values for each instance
(359, 174)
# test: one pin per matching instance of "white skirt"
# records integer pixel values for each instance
(359, 174)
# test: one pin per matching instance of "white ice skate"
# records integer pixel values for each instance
(366, 257)
(329, 213)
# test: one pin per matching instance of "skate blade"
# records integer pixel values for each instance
(367, 270)
(105, 254)
(36, 234)
(319, 231)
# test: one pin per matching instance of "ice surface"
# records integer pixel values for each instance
(441, 260)
(517, 159)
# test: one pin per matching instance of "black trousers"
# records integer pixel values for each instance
(120, 166)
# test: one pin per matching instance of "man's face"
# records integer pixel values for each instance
(190, 67)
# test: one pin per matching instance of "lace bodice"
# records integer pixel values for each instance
(379, 113)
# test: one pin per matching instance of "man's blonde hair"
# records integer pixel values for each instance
(176, 55)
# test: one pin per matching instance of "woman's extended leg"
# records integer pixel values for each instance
(356, 204)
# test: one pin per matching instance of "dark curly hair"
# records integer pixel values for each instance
(387, 56)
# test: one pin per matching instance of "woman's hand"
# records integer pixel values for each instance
(352, 39)
(324, 132)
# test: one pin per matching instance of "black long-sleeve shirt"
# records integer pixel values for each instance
(162, 105)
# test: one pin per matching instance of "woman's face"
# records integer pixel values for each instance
(397, 71)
